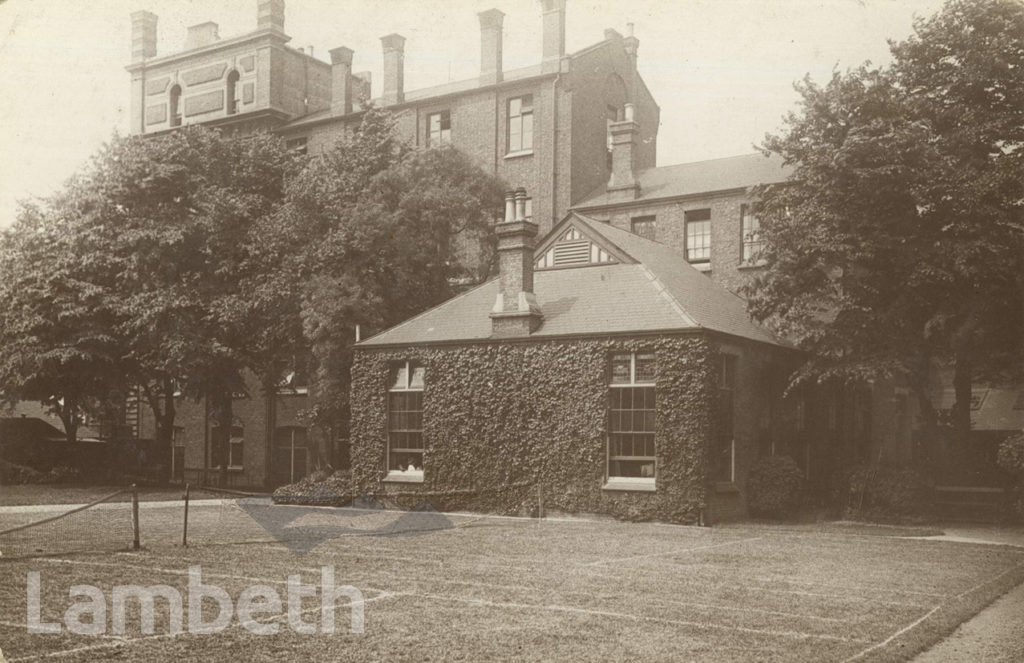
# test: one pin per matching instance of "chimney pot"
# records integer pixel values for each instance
(510, 206)
(491, 22)
(394, 68)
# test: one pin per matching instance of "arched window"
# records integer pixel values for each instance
(175, 97)
(290, 454)
(232, 92)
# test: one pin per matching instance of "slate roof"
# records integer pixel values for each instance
(698, 177)
(654, 290)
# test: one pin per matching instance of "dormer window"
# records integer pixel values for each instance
(232, 92)
(573, 249)
(174, 98)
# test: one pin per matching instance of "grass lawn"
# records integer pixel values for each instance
(497, 588)
(60, 493)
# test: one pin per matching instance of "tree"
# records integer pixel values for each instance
(55, 342)
(897, 244)
(372, 233)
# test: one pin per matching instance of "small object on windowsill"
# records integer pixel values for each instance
(701, 266)
(640, 484)
(726, 487)
(518, 153)
(405, 476)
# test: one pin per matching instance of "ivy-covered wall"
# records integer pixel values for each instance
(502, 418)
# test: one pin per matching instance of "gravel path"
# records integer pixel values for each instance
(995, 635)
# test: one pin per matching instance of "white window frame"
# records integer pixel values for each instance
(239, 442)
(648, 484)
(409, 475)
(750, 237)
(291, 447)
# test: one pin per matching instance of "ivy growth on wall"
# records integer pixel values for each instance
(501, 419)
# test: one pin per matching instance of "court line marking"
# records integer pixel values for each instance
(928, 614)
(854, 587)
(671, 552)
(621, 615)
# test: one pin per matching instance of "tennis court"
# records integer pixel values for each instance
(465, 587)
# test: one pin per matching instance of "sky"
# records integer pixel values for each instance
(722, 71)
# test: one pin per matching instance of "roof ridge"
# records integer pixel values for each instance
(663, 290)
(431, 309)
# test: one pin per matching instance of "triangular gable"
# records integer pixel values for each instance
(573, 244)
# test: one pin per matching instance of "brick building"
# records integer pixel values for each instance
(545, 127)
(599, 366)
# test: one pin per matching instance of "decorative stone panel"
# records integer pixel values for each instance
(248, 63)
(204, 74)
(156, 114)
(204, 103)
(157, 85)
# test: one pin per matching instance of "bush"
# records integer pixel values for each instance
(319, 488)
(12, 474)
(774, 487)
(1011, 455)
(886, 493)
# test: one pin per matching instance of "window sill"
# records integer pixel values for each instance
(404, 477)
(726, 487)
(235, 468)
(520, 153)
(302, 391)
(634, 484)
(701, 266)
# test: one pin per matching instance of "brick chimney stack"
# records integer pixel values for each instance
(515, 312)
(394, 68)
(623, 184)
(270, 15)
(552, 34)
(143, 35)
(491, 22)
(341, 81)
(202, 34)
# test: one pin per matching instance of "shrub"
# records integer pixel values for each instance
(886, 492)
(1011, 455)
(13, 474)
(774, 487)
(319, 488)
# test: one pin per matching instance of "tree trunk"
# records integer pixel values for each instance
(68, 413)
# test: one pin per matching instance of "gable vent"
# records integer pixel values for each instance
(573, 249)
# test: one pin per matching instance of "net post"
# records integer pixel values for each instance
(135, 517)
(184, 531)
(540, 501)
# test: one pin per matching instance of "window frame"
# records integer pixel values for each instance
(290, 447)
(750, 237)
(410, 474)
(688, 221)
(647, 220)
(522, 118)
(174, 115)
(444, 136)
(618, 481)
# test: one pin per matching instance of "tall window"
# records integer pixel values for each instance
(520, 123)
(698, 235)
(178, 453)
(232, 92)
(645, 226)
(405, 419)
(235, 444)
(439, 129)
(752, 242)
(724, 457)
(290, 454)
(174, 99)
(631, 415)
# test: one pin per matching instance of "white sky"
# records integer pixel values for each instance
(721, 70)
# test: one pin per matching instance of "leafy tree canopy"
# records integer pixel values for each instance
(898, 242)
